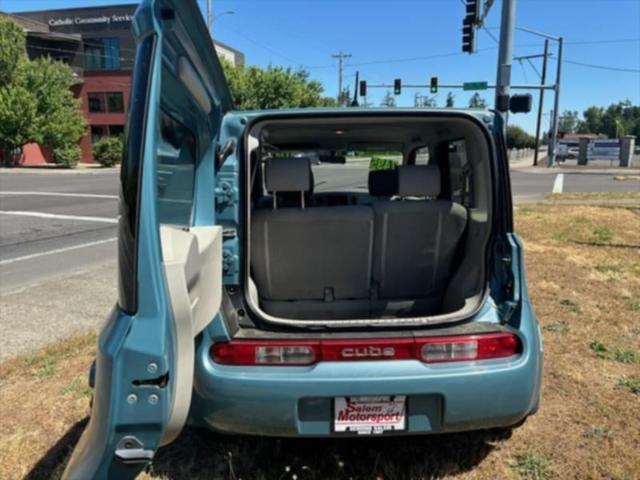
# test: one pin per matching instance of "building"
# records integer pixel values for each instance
(98, 45)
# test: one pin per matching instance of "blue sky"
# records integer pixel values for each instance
(394, 39)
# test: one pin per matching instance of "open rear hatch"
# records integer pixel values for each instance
(368, 219)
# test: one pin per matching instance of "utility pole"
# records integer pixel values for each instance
(340, 56)
(505, 54)
(210, 18)
(543, 78)
(553, 141)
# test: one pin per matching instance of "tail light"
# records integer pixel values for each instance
(427, 349)
(472, 347)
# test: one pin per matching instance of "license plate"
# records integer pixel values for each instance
(369, 415)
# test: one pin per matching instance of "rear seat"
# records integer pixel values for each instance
(310, 262)
(415, 240)
(355, 261)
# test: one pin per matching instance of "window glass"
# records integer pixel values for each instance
(176, 172)
(97, 132)
(422, 156)
(102, 53)
(115, 102)
(460, 174)
(116, 130)
(96, 102)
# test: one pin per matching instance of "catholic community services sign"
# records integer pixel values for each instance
(61, 22)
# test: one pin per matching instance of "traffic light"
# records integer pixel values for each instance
(363, 88)
(434, 85)
(469, 24)
(397, 86)
(473, 10)
(468, 36)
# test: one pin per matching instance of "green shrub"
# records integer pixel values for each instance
(108, 151)
(67, 155)
(379, 163)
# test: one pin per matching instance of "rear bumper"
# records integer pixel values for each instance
(292, 401)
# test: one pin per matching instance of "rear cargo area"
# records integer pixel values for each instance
(367, 219)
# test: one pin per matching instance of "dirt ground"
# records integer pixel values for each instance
(583, 268)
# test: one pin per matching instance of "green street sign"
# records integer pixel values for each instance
(475, 85)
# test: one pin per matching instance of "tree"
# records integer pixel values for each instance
(518, 138)
(273, 87)
(344, 98)
(389, 100)
(108, 151)
(450, 102)
(424, 101)
(60, 121)
(18, 119)
(12, 50)
(622, 118)
(36, 102)
(476, 101)
(568, 122)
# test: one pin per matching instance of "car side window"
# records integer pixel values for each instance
(176, 172)
(422, 156)
(460, 174)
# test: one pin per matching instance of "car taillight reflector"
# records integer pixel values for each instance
(427, 349)
(472, 347)
(247, 352)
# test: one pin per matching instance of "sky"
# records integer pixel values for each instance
(416, 39)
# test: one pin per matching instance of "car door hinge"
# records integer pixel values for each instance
(130, 450)
(226, 194)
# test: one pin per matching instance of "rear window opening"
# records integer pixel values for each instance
(373, 220)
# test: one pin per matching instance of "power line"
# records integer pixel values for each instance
(604, 67)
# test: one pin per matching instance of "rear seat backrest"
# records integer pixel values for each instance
(416, 238)
(322, 253)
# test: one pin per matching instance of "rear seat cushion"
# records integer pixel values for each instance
(321, 253)
(416, 238)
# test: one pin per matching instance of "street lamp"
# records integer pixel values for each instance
(211, 19)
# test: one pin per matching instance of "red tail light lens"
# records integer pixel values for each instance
(472, 347)
(427, 349)
(249, 352)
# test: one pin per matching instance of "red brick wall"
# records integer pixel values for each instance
(94, 82)
(97, 82)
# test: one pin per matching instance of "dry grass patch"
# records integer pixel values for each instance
(596, 196)
(583, 268)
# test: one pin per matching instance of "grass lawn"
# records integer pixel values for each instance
(583, 266)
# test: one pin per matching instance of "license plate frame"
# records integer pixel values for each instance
(369, 415)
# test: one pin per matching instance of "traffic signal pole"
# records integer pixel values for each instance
(505, 55)
(553, 141)
(543, 78)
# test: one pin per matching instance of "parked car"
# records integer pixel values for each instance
(250, 304)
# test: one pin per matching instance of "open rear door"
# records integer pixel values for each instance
(170, 248)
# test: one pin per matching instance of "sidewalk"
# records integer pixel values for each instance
(82, 168)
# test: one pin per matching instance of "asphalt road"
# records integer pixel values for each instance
(53, 224)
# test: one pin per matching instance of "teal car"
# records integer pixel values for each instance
(306, 272)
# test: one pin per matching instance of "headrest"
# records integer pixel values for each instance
(288, 175)
(419, 181)
(383, 183)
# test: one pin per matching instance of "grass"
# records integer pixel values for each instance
(631, 383)
(561, 328)
(593, 196)
(585, 428)
(601, 234)
(531, 466)
(570, 305)
(599, 433)
(618, 354)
